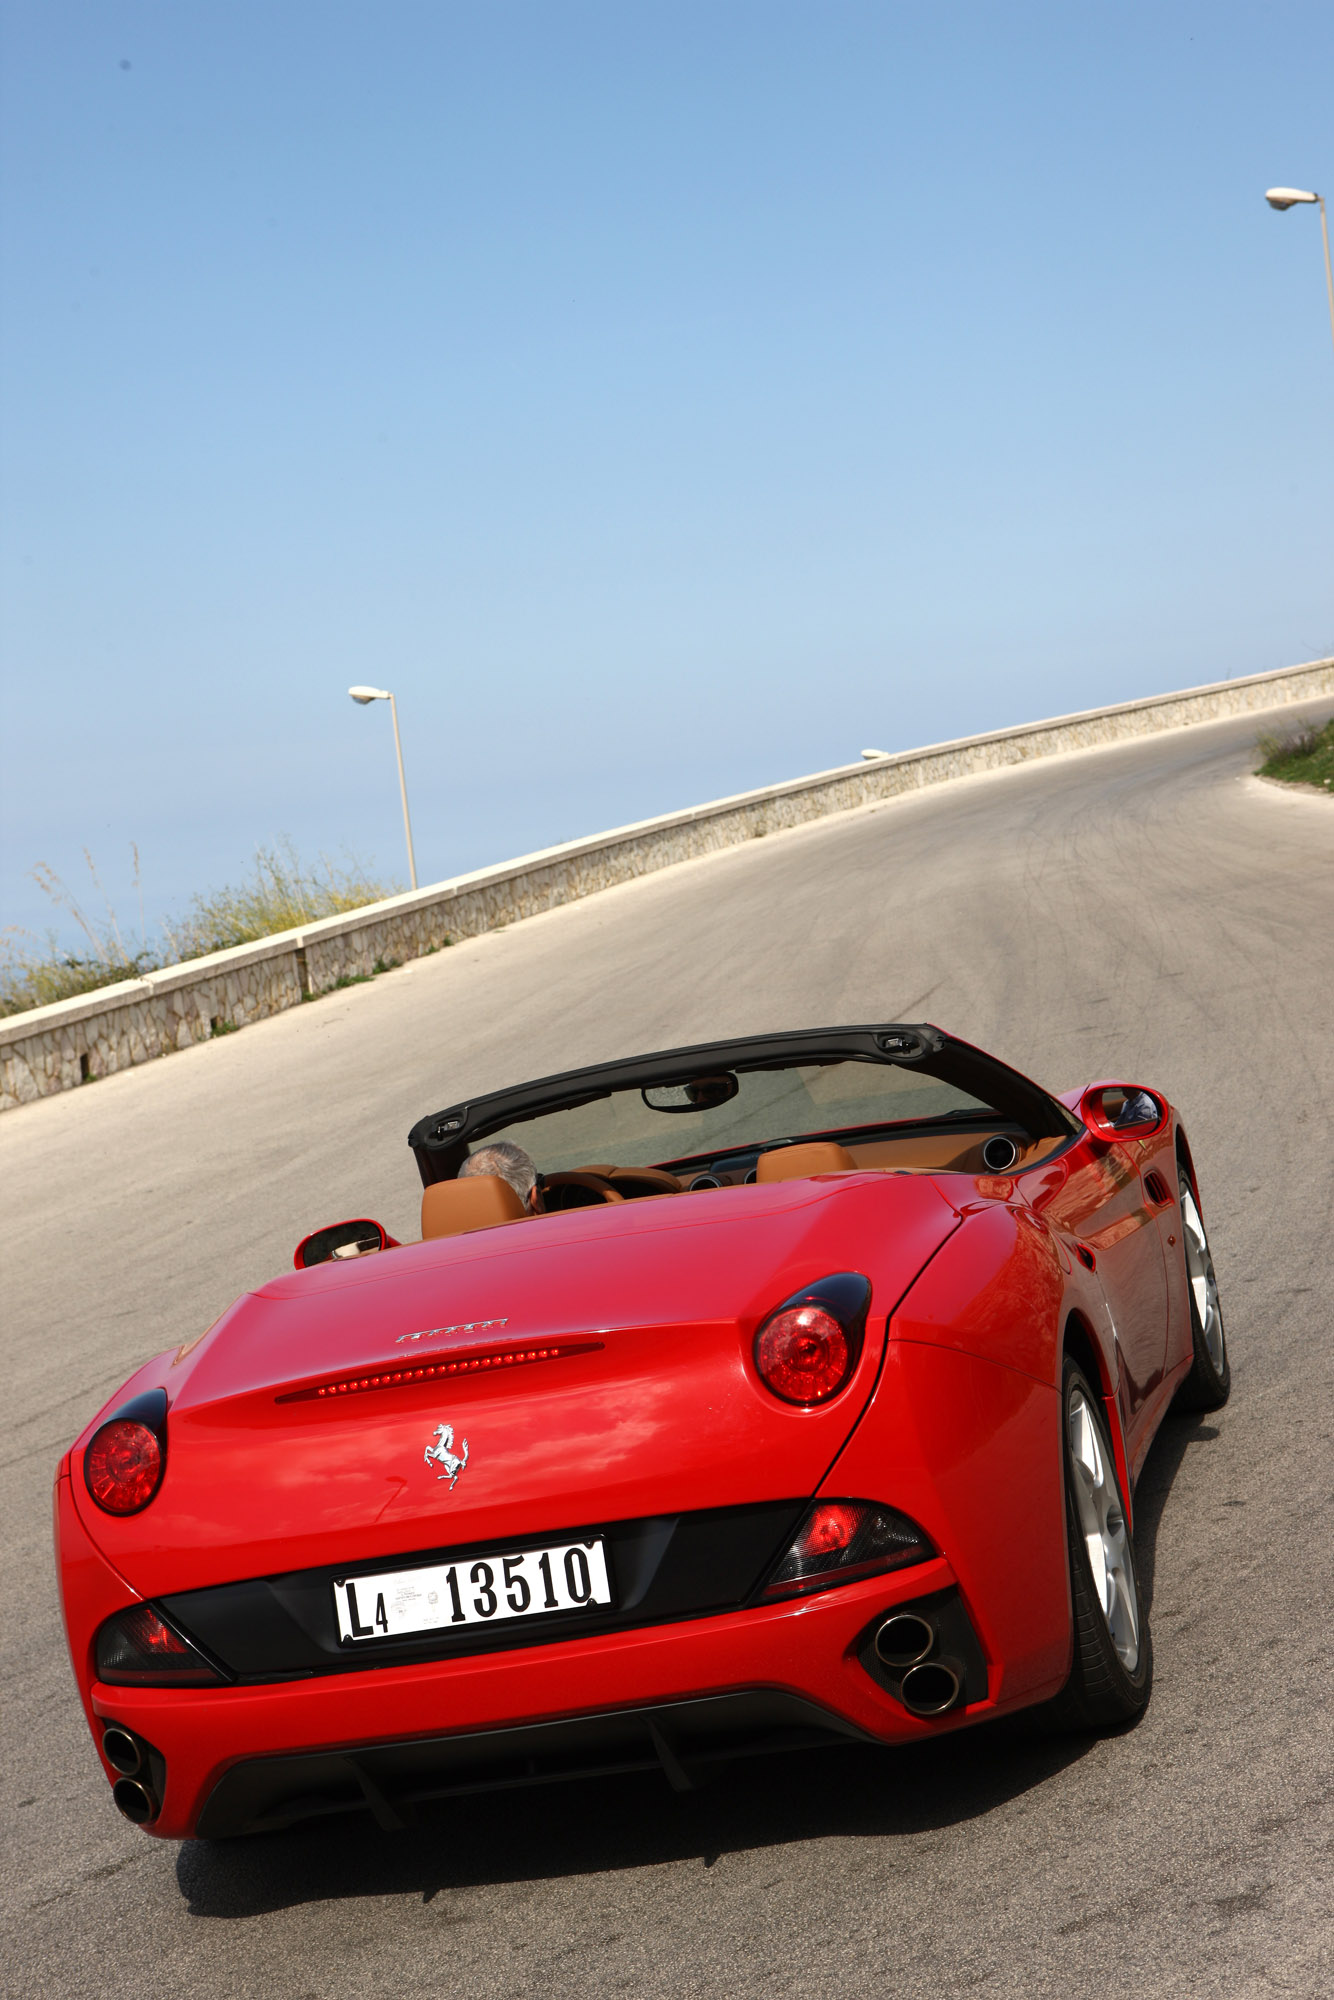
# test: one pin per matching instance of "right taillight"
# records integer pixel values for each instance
(842, 1540)
(807, 1349)
(137, 1647)
(125, 1458)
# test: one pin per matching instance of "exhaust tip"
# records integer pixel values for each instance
(904, 1639)
(122, 1751)
(929, 1688)
(135, 1800)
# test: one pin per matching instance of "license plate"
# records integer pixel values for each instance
(472, 1590)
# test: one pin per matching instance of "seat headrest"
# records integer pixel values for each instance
(449, 1208)
(798, 1163)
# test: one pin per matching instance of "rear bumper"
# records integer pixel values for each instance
(685, 1740)
(774, 1677)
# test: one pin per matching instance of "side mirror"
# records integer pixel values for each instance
(342, 1239)
(1122, 1111)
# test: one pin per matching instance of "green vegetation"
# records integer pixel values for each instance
(278, 894)
(1302, 756)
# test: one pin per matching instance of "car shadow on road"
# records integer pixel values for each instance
(601, 1825)
(1156, 1480)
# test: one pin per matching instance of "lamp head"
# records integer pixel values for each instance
(365, 694)
(1286, 197)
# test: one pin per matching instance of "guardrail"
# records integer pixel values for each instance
(50, 1049)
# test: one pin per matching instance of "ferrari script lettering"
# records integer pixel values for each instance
(443, 1455)
(464, 1326)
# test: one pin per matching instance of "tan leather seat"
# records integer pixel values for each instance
(798, 1163)
(449, 1208)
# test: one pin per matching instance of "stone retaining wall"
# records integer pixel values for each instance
(52, 1048)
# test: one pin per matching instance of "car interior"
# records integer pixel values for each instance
(479, 1201)
(897, 1099)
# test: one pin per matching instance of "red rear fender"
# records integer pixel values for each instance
(971, 1450)
(996, 1289)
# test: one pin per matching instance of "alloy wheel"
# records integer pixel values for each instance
(1200, 1273)
(1102, 1523)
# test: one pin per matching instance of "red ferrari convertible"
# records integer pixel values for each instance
(781, 1392)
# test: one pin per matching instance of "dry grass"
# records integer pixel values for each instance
(279, 893)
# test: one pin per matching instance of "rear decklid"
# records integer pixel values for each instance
(650, 1405)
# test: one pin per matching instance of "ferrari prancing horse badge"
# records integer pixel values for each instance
(443, 1455)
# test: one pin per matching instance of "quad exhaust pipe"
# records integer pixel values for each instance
(122, 1751)
(135, 1800)
(904, 1639)
(930, 1689)
(133, 1790)
(926, 1687)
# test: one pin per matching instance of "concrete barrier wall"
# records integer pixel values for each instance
(53, 1048)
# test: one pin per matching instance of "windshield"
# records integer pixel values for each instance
(622, 1129)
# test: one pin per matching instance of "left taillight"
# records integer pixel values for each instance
(807, 1349)
(138, 1648)
(125, 1458)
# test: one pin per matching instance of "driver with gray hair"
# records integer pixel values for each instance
(509, 1163)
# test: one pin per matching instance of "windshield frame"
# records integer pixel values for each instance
(441, 1142)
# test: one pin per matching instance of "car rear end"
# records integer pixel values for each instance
(649, 1489)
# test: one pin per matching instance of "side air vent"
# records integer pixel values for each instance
(1156, 1188)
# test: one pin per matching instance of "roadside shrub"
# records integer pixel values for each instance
(279, 893)
(1301, 755)
(33, 972)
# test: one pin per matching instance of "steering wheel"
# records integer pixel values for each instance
(636, 1181)
(587, 1190)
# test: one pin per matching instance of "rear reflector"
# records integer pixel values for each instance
(486, 1362)
(841, 1540)
(137, 1647)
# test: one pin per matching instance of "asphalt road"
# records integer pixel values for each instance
(1147, 911)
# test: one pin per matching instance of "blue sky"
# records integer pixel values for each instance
(662, 399)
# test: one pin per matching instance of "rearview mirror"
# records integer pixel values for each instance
(702, 1093)
(342, 1239)
(1122, 1111)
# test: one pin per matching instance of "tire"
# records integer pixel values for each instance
(1111, 1671)
(1209, 1383)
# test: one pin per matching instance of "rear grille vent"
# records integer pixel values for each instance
(486, 1362)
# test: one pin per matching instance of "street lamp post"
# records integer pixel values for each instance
(1282, 198)
(368, 694)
